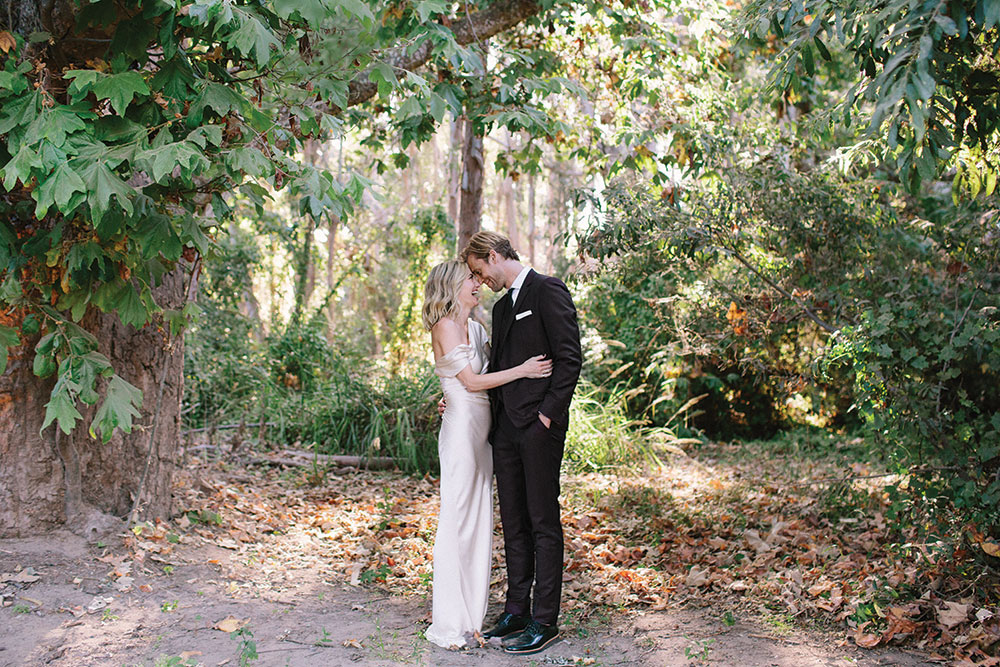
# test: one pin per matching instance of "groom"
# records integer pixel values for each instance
(530, 417)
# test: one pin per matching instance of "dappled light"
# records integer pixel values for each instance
(289, 287)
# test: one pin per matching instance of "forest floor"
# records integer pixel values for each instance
(712, 559)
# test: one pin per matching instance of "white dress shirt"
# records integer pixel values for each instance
(515, 287)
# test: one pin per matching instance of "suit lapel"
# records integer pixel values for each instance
(502, 315)
(506, 312)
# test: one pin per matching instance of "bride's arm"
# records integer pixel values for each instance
(446, 336)
(535, 367)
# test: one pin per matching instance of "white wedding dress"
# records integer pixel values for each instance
(463, 546)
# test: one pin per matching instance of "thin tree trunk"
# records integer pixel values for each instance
(455, 156)
(510, 211)
(471, 212)
(532, 177)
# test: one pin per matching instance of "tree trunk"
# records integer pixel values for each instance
(75, 480)
(510, 211)
(455, 168)
(333, 226)
(531, 217)
(471, 213)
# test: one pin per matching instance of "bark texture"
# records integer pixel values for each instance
(471, 212)
(31, 475)
(50, 479)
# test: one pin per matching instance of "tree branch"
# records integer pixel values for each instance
(475, 27)
(735, 254)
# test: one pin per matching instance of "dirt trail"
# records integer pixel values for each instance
(75, 615)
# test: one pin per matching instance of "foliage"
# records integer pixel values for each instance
(120, 164)
(925, 83)
(821, 301)
(416, 244)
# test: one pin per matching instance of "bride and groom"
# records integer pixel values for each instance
(507, 410)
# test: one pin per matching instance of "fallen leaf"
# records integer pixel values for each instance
(25, 576)
(865, 640)
(697, 578)
(953, 614)
(991, 548)
(230, 624)
(7, 41)
(353, 643)
(98, 603)
(753, 539)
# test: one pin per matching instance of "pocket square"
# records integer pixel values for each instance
(521, 316)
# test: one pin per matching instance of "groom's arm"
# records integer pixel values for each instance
(558, 316)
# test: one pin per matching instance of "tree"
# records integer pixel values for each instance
(128, 127)
(926, 78)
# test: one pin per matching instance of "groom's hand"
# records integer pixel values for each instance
(442, 404)
(546, 422)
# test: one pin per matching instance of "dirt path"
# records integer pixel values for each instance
(77, 614)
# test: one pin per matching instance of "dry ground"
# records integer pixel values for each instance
(316, 567)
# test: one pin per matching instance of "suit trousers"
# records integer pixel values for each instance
(526, 464)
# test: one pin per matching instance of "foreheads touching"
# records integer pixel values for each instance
(485, 253)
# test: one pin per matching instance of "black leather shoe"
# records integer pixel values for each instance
(536, 637)
(507, 624)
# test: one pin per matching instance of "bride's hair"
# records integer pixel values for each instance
(441, 292)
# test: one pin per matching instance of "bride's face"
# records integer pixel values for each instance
(468, 295)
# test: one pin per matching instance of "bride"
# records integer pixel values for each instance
(463, 546)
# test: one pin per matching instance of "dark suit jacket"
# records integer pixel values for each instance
(543, 321)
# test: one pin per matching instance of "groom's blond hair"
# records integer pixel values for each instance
(482, 243)
(441, 292)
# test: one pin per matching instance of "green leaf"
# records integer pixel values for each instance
(61, 407)
(83, 82)
(19, 111)
(55, 125)
(13, 82)
(19, 167)
(991, 13)
(121, 89)
(821, 47)
(192, 234)
(129, 306)
(162, 160)
(102, 185)
(250, 161)
(121, 405)
(8, 339)
(217, 97)
(312, 11)
(356, 8)
(428, 7)
(58, 188)
(384, 78)
(253, 37)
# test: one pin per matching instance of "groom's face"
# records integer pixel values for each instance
(488, 271)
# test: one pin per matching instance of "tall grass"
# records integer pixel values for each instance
(602, 435)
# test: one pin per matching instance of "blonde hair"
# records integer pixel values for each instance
(441, 292)
(482, 243)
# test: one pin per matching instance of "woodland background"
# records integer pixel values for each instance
(778, 219)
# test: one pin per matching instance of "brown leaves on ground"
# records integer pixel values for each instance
(747, 535)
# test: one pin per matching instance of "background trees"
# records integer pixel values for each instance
(774, 216)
